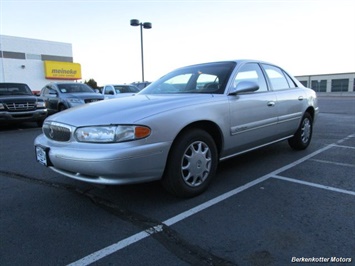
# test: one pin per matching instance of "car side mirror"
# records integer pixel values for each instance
(244, 86)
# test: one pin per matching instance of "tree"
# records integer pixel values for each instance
(92, 83)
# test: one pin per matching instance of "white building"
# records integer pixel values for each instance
(342, 83)
(36, 62)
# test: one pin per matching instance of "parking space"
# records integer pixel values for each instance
(282, 216)
(269, 207)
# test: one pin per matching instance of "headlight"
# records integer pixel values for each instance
(107, 134)
(1, 106)
(41, 104)
(75, 100)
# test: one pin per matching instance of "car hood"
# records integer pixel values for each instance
(84, 95)
(7, 98)
(120, 95)
(127, 110)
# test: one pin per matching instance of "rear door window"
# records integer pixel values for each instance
(276, 77)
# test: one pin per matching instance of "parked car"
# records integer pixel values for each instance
(180, 126)
(141, 85)
(19, 104)
(117, 91)
(60, 96)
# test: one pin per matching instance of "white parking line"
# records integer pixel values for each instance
(346, 138)
(314, 185)
(345, 147)
(95, 256)
(110, 249)
(333, 163)
(141, 235)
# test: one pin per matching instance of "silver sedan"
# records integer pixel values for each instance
(178, 128)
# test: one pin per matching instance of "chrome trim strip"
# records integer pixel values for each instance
(255, 148)
(252, 126)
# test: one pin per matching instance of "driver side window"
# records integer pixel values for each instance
(251, 72)
(207, 83)
(49, 91)
(176, 84)
(109, 90)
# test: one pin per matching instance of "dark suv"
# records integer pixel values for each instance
(59, 96)
(18, 104)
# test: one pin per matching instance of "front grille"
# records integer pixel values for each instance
(57, 131)
(91, 100)
(21, 106)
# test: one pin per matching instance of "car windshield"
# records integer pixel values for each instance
(205, 78)
(14, 89)
(74, 88)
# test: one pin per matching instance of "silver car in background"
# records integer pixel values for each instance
(179, 128)
(59, 96)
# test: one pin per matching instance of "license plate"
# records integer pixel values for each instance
(42, 155)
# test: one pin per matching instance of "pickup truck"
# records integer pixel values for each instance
(19, 104)
(118, 91)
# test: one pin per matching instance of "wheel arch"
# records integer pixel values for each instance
(61, 103)
(210, 127)
(174, 184)
(311, 111)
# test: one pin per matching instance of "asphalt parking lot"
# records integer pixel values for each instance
(273, 206)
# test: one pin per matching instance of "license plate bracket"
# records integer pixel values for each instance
(42, 155)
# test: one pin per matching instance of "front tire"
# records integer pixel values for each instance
(303, 136)
(191, 164)
(61, 107)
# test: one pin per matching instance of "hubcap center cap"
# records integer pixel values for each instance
(198, 164)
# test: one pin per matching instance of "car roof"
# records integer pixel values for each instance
(69, 82)
(15, 83)
(119, 85)
(238, 61)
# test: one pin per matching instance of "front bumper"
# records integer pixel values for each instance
(108, 164)
(36, 115)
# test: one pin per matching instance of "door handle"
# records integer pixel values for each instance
(270, 103)
(300, 98)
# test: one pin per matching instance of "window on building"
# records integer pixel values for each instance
(319, 85)
(33, 56)
(340, 85)
(13, 55)
(304, 83)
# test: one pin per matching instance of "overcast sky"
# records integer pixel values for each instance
(304, 37)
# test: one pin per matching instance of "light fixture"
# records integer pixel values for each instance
(145, 25)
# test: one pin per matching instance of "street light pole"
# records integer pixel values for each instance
(145, 25)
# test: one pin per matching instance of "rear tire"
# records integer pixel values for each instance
(191, 164)
(303, 135)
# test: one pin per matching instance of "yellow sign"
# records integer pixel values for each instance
(62, 70)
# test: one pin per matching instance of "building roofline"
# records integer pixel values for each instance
(345, 73)
(32, 39)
